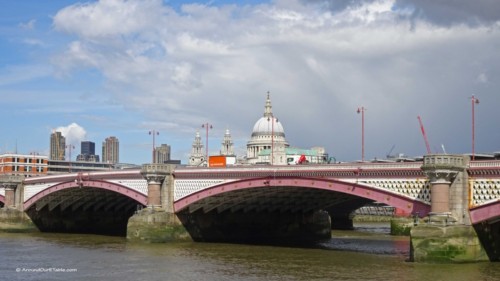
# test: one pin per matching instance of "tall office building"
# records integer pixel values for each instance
(87, 147)
(111, 150)
(87, 152)
(57, 146)
(162, 153)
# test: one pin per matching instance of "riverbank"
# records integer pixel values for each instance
(15, 221)
(370, 218)
(400, 226)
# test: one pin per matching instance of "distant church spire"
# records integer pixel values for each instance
(227, 144)
(268, 109)
(197, 156)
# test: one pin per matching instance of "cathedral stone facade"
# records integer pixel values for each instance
(267, 145)
(267, 134)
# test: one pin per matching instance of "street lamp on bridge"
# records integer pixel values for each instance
(154, 133)
(70, 147)
(474, 101)
(33, 161)
(273, 120)
(362, 111)
(206, 126)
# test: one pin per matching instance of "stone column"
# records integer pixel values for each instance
(448, 236)
(155, 175)
(154, 198)
(155, 224)
(440, 191)
(442, 169)
(10, 191)
(10, 183)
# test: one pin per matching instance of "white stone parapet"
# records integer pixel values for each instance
(447, 160)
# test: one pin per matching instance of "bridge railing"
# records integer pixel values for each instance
(484, 164)
(132, 173)
(156, 168)
(341, 166)
(454, 160)
(445, 159)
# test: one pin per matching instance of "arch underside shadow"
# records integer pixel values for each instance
(292, 195)
(2, 201)
(486, 222)
(94, 207)
(278, 209)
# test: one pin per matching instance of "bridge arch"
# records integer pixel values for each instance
(486, 212)
(89, 206)
(2, 200)
(359, 190)
(486, 222)
(99, 184)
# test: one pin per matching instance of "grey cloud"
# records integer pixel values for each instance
(335, 5)
(318, 70)
(448, 12)
(442, 12)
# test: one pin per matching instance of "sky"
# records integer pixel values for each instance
(94, 69)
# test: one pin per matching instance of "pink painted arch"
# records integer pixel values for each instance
(133, 194)
(2, 199)
(379, 195)
(485, 212)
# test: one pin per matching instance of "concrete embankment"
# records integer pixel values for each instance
(431, 243)
(13, 220)
(399, 225)
(156, 226)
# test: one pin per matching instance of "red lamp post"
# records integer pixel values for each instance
(474, 101)
(273, 120)
(362, 111)
(70, 147)
(206, 126)
(154, 133)
(34, 154)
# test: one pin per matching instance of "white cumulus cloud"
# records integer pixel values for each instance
(216, 63)
(73, 133)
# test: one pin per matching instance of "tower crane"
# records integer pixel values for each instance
(389, 155)
(424, 135)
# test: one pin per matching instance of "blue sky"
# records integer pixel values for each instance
(95, 69)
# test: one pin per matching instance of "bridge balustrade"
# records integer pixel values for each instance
(445, 160)
(342, 166)
(484, 164)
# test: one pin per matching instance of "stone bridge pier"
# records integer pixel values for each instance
(12, 185)
(12, 216)
(447, 235)
(157, 222)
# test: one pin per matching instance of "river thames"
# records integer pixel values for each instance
(367, 253)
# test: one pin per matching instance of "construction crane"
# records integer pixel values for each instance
(424, 135)
(389, 155)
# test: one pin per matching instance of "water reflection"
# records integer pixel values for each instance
(350, 255)
(371, 238)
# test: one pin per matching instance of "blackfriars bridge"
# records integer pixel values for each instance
(239, 203)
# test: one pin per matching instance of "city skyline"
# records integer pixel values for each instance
(103, 68)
